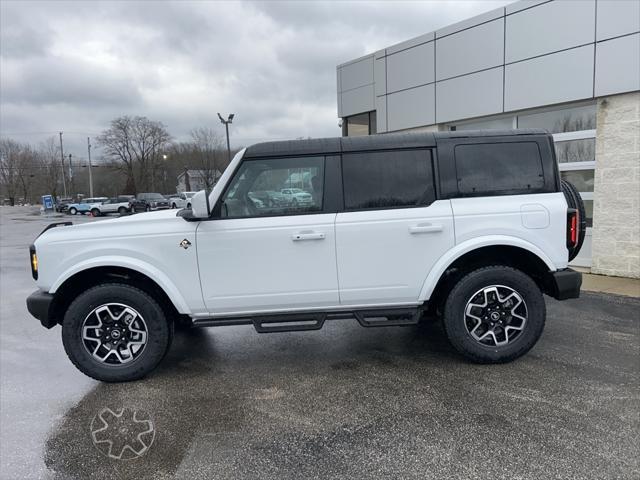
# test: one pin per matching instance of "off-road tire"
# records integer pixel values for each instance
(160, 332)
(462, 292)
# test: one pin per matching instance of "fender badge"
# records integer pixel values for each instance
(185, 244)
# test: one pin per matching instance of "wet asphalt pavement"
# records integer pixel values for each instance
(342, 403)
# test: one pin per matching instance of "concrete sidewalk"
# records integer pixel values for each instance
(629, 287)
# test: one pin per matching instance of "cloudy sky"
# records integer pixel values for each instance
(73, 66)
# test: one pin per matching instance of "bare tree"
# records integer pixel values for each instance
(136, 143)
(49, 163)
(208, 149)
(14, 166)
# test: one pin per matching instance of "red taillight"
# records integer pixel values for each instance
(572, 228)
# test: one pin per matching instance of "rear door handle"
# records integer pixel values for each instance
(425, 228)
(300, 236)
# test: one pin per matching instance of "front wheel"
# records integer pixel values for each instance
(494, 314)
(73, 211)
(95, 212)
(115, 333)
(122, 210)
(148, 208)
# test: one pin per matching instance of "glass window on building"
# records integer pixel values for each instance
(359, 125)
(570, 151)
(582, 179)
(505, 123)
(561, 120)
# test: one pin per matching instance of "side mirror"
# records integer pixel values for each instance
(200, 205)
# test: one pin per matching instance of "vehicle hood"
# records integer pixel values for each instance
(141, 224)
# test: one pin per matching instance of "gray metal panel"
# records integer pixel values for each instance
(470, 22)
(427, 37)
(381, 114)
(380, 76)
(410, 68)
(617, 17)
(470, 50)
(561, 77)
(549, 27)
(411, 108)
(357, 74)
(618, 65)
(338, 70)
(469, 96)
(339, 104)
(358, 100)
(522, 4)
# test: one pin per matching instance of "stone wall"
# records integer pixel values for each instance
(616, 209)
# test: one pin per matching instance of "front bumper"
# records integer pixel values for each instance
(564, 284)
(39, 305)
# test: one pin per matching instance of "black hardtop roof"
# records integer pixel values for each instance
(383, 141)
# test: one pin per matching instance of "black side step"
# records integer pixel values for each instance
(388, 318)
(289, 323)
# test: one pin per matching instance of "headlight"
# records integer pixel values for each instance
(34, 262)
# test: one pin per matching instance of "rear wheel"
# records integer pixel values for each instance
(494, 314)
(95, 212)
(115, 333)
(122, 210)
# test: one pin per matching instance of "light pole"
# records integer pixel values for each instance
(90, 173)
(226, 126)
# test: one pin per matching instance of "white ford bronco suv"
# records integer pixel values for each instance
(471, 227)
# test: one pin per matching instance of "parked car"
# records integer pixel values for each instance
(470, 227)
(121, 205)
(294, 196)
(85, 205)
(181, 200)
(62, 204)
(146, 202)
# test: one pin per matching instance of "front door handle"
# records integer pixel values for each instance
(300, 236)
(425, 228)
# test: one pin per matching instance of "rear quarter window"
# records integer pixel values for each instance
(511, 168)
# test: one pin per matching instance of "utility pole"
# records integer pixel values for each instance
(71, 175)
(90, 174)
(226, 125)
(64, 182)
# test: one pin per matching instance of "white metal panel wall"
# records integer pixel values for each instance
(549, 27)
(410, 68)
(469, 96)
(470, 50)
(561, 77)
(408, 108)
(357, 74)
(358, 100)
(617, 17)
(618, 65)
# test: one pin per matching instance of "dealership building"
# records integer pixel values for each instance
(569, 66)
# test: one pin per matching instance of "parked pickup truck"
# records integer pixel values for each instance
(468, 227)
(181, 200)
(147, 202)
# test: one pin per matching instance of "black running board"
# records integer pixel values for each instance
(302, 321)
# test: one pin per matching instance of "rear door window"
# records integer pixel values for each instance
(509, 168)
(394, 179)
